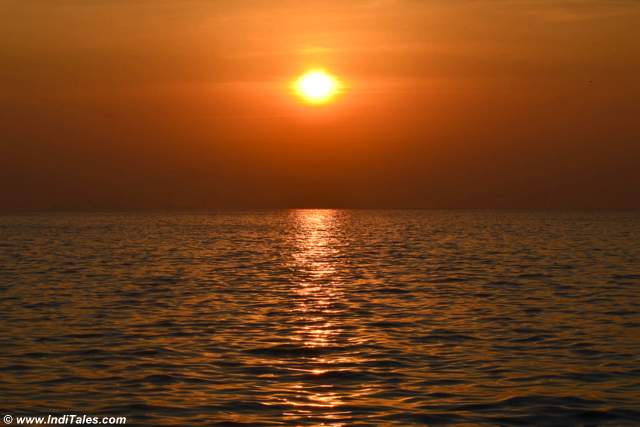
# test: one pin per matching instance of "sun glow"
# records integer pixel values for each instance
(317, 87)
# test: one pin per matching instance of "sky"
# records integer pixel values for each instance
(167, 104)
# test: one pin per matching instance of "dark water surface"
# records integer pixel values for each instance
(321, 317)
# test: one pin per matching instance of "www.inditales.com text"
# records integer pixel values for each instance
(67, 419)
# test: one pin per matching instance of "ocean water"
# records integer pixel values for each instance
(323, 317)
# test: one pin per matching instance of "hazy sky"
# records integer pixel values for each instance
(115, 104)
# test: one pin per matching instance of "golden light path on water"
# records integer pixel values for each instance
(318, 311)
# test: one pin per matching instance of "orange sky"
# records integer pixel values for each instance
(186, 104)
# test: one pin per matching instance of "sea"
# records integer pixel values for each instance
(322, 317)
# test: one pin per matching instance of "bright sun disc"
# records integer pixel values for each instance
(317, 86)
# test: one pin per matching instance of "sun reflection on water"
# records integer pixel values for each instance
(319, 291)
(316, 243)
(317, 311)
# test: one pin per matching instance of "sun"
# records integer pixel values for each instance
(317, 87)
